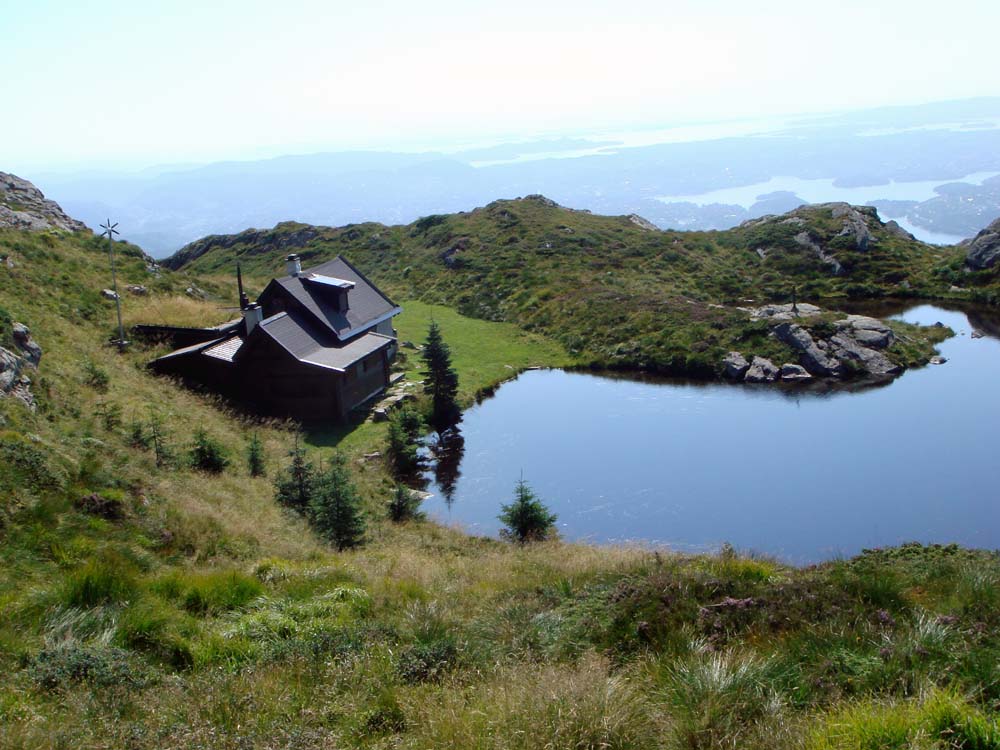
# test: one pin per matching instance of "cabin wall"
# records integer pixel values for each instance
(275, 383)
(212, 373)
(364, 378)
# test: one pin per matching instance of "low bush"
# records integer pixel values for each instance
(404, 505)
(71, 662)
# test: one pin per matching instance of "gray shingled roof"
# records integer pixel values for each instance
(366, 304)
(296, 334)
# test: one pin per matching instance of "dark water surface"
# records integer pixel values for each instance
(800, 475)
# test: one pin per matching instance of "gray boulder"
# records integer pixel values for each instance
(869, 360)
(984, 250)
(893, 228)
(784, 312)
(812, 357)
(855, 225)
(30, 350)
(793, 373)
(735, 366)
(867, 331)
(761, 370)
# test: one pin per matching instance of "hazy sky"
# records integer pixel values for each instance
(139, 82)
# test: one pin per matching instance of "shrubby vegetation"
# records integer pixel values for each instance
(405, 430)
(147, 604)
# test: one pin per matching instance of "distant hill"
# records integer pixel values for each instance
(163, 209)
(615, 291)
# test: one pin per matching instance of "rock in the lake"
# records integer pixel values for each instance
(870, 361)
(761, 370)
(735, 366)
(793, 373)
(984, 250)
(812, 357)
(867, 331)
(937, 360)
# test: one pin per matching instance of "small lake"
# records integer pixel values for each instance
(793, 473)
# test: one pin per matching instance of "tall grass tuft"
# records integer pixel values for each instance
(106, 580)
(717, 698)
(942, 720)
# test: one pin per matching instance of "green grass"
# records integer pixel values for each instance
(483, 353)
(202, 614)
(613, 294)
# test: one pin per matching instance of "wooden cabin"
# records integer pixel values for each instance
(316, 345)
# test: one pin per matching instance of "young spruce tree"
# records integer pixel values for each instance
(335, 508)
(526, 519)
(441, 382)
(255, 457)
(295, 485)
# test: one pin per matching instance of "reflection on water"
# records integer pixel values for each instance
(799, 474)
(448, 453)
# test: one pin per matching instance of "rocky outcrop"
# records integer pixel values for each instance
(984, 250)
(869, 361)
(855, 224)
(893, 228)
(807, 242)
(810, 228)
(761, 370)
(794, 373)
(285, 237)
(15, 366)
(22, 206)
(643, 223)
(811, 356)
(870, 332)
(735, 366)
(783, 312)
(849, 347)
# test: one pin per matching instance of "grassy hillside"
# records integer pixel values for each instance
(613, 291)
(149, 605)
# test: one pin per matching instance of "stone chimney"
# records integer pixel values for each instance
(252, 315)
(293, 266)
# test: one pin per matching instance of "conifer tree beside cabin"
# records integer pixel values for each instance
(314, 346)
